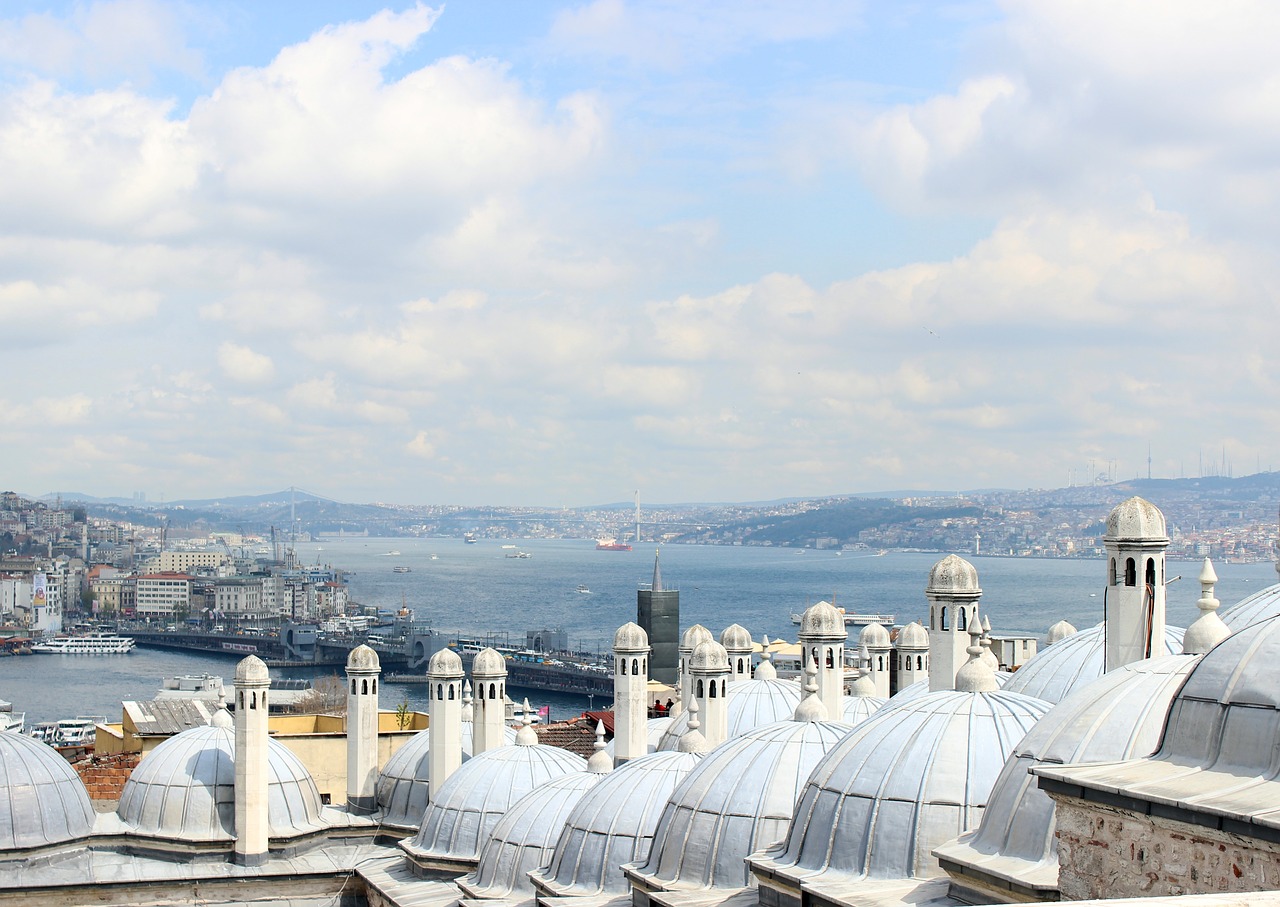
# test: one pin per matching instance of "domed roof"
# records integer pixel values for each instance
(822, 620)
(363, 658)
(709, 657)
(525, 836)
(903, 782)
(654, 729)
(859, 708)
(1261, 605)
(488, 662)
(913, 636)
(480, 792)
(752, 704)
(185, 789)
(613, 824)
(1136, 520)
(874, 636)
(1058, 632)
(42, 800)
(736, 638)
(252, 669)
(404, 784)
(694, 635)
(445, 663)
(908, 693)
(631, 636)
(1072, 662)
(953, 575)
(1118, 716)
(737, 800)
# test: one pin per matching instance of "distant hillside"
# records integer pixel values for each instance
(839, 520)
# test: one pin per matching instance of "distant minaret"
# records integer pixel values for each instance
(252, 682)
(489, 675)
(658, 614)
(912, 647)
(876, 640)
(688, 642)
(363, 668)
(738, 644)
(709, 673)
(1135, 541)
(953, 594)
(822, 639)
(630, 693)
(444, 688)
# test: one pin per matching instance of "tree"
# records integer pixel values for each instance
(403, 714)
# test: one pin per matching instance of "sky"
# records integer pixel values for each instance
(557, 253)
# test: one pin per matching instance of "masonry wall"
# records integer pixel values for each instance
(104, 776)
(1105, 852)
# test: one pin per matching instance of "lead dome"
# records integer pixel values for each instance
(822, 620)
(1072, 662)
(709, 656)
(252, 670)
(953, 575)
(694, 635)
(185, 789)
(631, 637)
(874, 636)
(752, 704)
(487, 662)
(364, 659)
(913, 636)
(736, 638)
(445, 662)
(1136, 519)
(42, 800)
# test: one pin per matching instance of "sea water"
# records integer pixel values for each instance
(481, 590)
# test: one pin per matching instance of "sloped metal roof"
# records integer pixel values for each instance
(166, 717)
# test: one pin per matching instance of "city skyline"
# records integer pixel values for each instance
(554, 252)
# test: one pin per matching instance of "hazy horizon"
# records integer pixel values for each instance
(560, 251)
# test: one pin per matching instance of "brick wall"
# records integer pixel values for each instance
(104, 776)
(1106, 852)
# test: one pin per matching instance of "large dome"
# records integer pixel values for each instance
(525, 836)
(1072, 662)
(1118, 716)
(404, 784)
(185, 789)
(1136, 519)
(903, 782)
(752, 704)
(1261, 605)
(478, 794)
(613, 824)
(42, 800)
(739, 799)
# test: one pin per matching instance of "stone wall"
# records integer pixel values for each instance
(1107, 852)
(104, 776)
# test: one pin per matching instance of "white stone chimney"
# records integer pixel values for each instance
(630, 693)
(363, 668)
(444, 755)
(252, 830)
(489, 677)
(822, 639)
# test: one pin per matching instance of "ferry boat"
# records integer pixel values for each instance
(81, 731)
(399, 569)
(855, 620)
(92, 644)
(520, 554)
(582, 587)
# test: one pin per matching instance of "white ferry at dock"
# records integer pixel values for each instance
(91, 644)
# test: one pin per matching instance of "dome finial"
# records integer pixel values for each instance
(1208, 629)
(863, 686)
(599, 761)
(468, 707)
(974, 676)
(811, 707)
(526, 736)
(693, 741)
(765, 670)
(988, 657)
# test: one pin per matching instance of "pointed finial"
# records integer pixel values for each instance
(1208, 629)
(863, 685)
(692, 740)
(988, 657)
(677, 708)
(810, 707)
(656, 585)
(765, 670)
(526, 736)
(974, 675)
(599, 761)
(468, 703)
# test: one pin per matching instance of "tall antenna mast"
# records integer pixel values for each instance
(637, 516)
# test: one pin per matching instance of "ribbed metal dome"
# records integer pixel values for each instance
(404, 784)
(903, 782)
(822, 620)
(1261, 605)
(613, 824)
(631, 637)
(42, 800)
(185, 789)
(488, 662)
(1071, 663)
(752, 704)
(739, 799)
(859, 708)
(736, 638)
(363, 658)
(1119, 716)
(524, 838)
(478, 794)
(874, 636)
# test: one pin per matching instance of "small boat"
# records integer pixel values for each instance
(611, 545)
(520, 554)
(583, 589)
(469, 538)
(391, 554)
(400, 570)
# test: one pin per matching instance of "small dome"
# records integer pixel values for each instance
(913, 636)
(44, 801)
(404, 784)
(363, 659)
(1058, 632)
(1071, 663)
(445, 663)
(874, 636)
(489, 663)
(903, 782)
(185, 789)
(1118, 716)
(1136, 520)
(473, 799)
(613, 824)
(824, 621)
(710, 658)
(1261, 605)
(630, 637)
(694, 635)
(252, 670)
(735, 638)
(525, 837)
(953, 575)
(739, 799)
(752, 704)
(859, 708)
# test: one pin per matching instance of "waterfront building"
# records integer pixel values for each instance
(159, 596)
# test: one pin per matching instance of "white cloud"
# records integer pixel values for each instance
(421, 446)
(245, 366)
